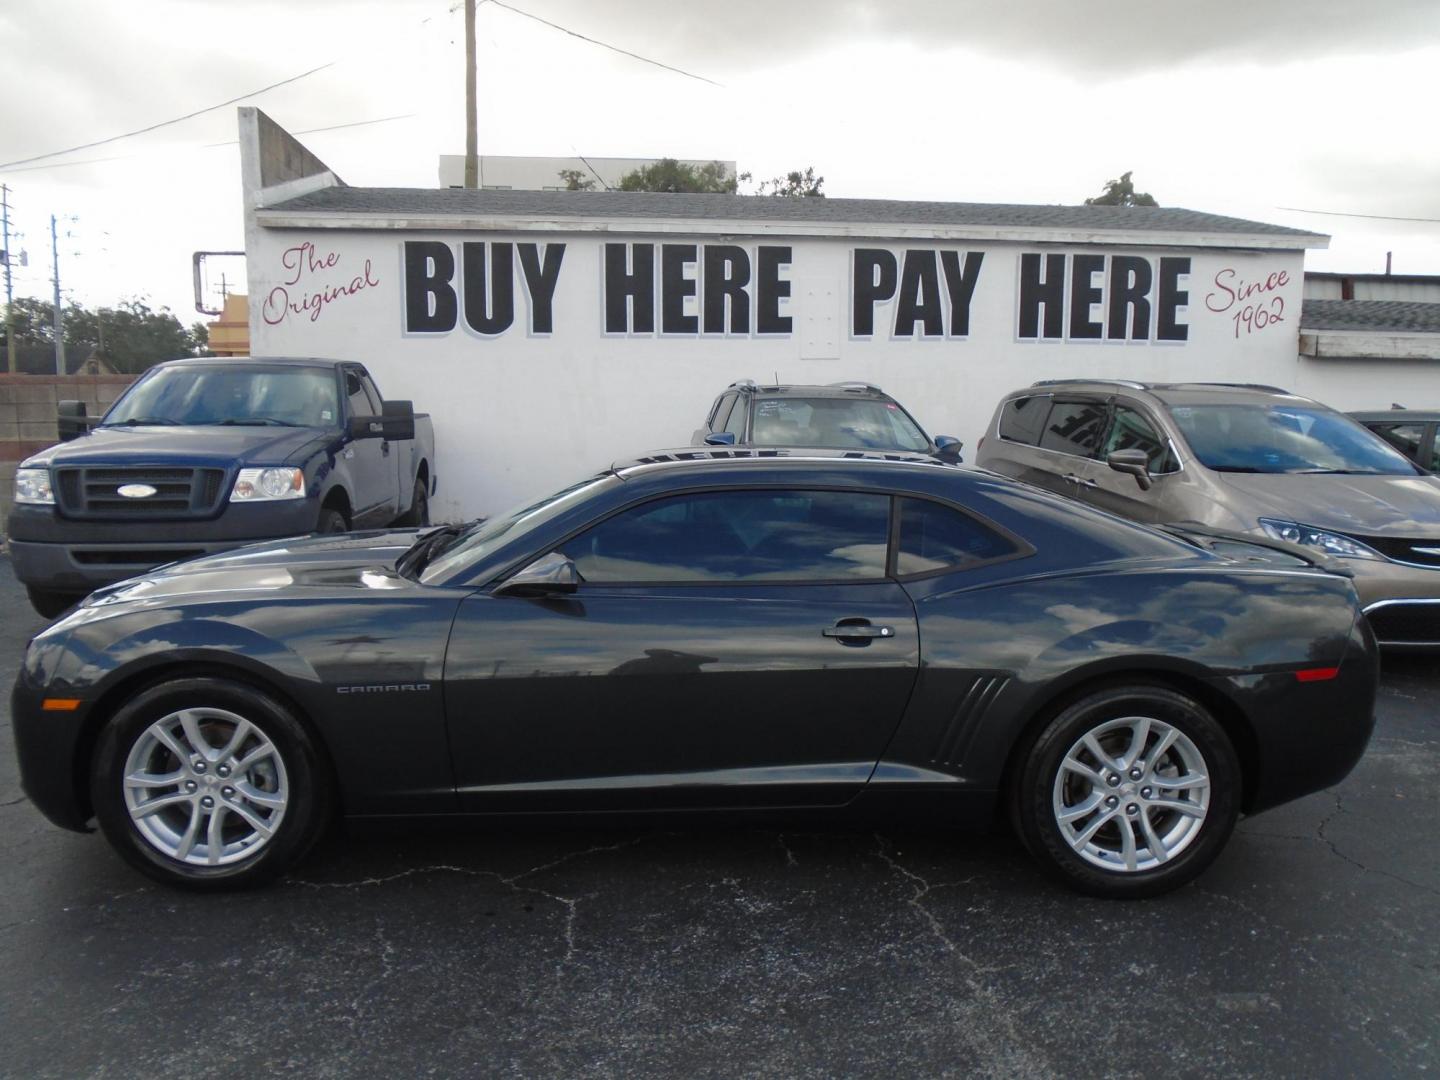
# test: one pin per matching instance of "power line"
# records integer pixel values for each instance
(211, 146)
(1371, 217)
(168, 123)
(602, 44)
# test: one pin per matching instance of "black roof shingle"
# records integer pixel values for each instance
(651, 205)
(1375, 316)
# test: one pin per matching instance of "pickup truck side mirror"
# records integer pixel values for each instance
(367, 427)
(546, 576)
(398, 420)
(947, 448)
(71, 420)
(1133, 462)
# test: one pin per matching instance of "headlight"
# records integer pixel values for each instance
(1330, 543)
(33, 486)
(260, 485)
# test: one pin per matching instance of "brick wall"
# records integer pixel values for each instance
(27, 415)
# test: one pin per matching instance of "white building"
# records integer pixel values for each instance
(549, 333)
(499, 173)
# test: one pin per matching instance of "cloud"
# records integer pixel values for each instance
(1105, 39)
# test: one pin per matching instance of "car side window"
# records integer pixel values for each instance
(1022, 419)
(937, 537)
(1074, 427)
(736, 423)
(1131, 430)
(355, 391)
(372, 393)
(720, 536)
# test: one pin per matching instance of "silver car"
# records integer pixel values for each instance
(1240, 458)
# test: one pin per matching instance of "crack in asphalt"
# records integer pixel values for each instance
(14, 802)
(985, 995)
(1335, 850)
(571, 904)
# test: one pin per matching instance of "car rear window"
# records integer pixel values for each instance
(1022, 419)
(937, 537)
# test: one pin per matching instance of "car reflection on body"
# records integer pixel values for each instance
(743, 632)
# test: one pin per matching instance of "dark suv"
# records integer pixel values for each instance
(841, 416)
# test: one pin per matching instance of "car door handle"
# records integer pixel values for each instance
(858, 630)
(1083, 481)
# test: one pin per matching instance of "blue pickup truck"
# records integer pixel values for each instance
(203, 455)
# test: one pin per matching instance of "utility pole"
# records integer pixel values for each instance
(472, 163)
(59, 312)
(9, 285)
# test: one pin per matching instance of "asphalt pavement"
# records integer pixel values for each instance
(1310, 949)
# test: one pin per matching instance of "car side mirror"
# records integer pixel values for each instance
(947, 448)
(546, 576)
(398, 421)
(720, 438)
(1134, 462)
(71, 420)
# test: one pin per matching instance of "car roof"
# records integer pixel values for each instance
(1398, 416)
(804, 390)
(1177, 393)
(699, 459)
(278, 361)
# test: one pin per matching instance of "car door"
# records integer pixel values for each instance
(1068, 444)
(727, 648)
(1130, 428)
(370, 465)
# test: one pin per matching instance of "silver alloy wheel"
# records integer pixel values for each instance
(205, 787)
(1131, 794)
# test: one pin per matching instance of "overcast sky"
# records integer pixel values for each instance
(1231, 107)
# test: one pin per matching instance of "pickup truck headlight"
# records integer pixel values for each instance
(1292, 532)
(263, 485)
(33, 486)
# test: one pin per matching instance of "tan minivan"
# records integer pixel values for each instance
(1240, 458)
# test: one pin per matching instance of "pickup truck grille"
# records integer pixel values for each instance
(93, 493)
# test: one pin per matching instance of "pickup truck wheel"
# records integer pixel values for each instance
(419, 512)
(331, 521)
(208, 784)
(50, 603)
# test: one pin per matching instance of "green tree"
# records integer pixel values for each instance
(575, 180)
(1122, 193)
(667, 174)
(131, 336)
(794, 184)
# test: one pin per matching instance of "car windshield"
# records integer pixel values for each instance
(474, 545)
(1284, 439)
(859, 423)
(226, 394)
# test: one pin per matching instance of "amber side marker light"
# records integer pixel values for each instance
(1317, 674)
(60, 704)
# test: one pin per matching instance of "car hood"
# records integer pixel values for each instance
(298, 564)
(210, 445)
(1398, 506)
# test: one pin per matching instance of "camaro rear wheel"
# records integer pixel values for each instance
(208, 784)
(1129, 792)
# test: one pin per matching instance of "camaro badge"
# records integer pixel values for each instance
(135, 491)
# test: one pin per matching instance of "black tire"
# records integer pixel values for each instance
(52, 604)
(331, 521)
(1095, 866)
(419, 512)
(303, 782)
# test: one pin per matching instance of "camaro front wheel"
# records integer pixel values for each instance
(1129, 792)
(206, 783)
